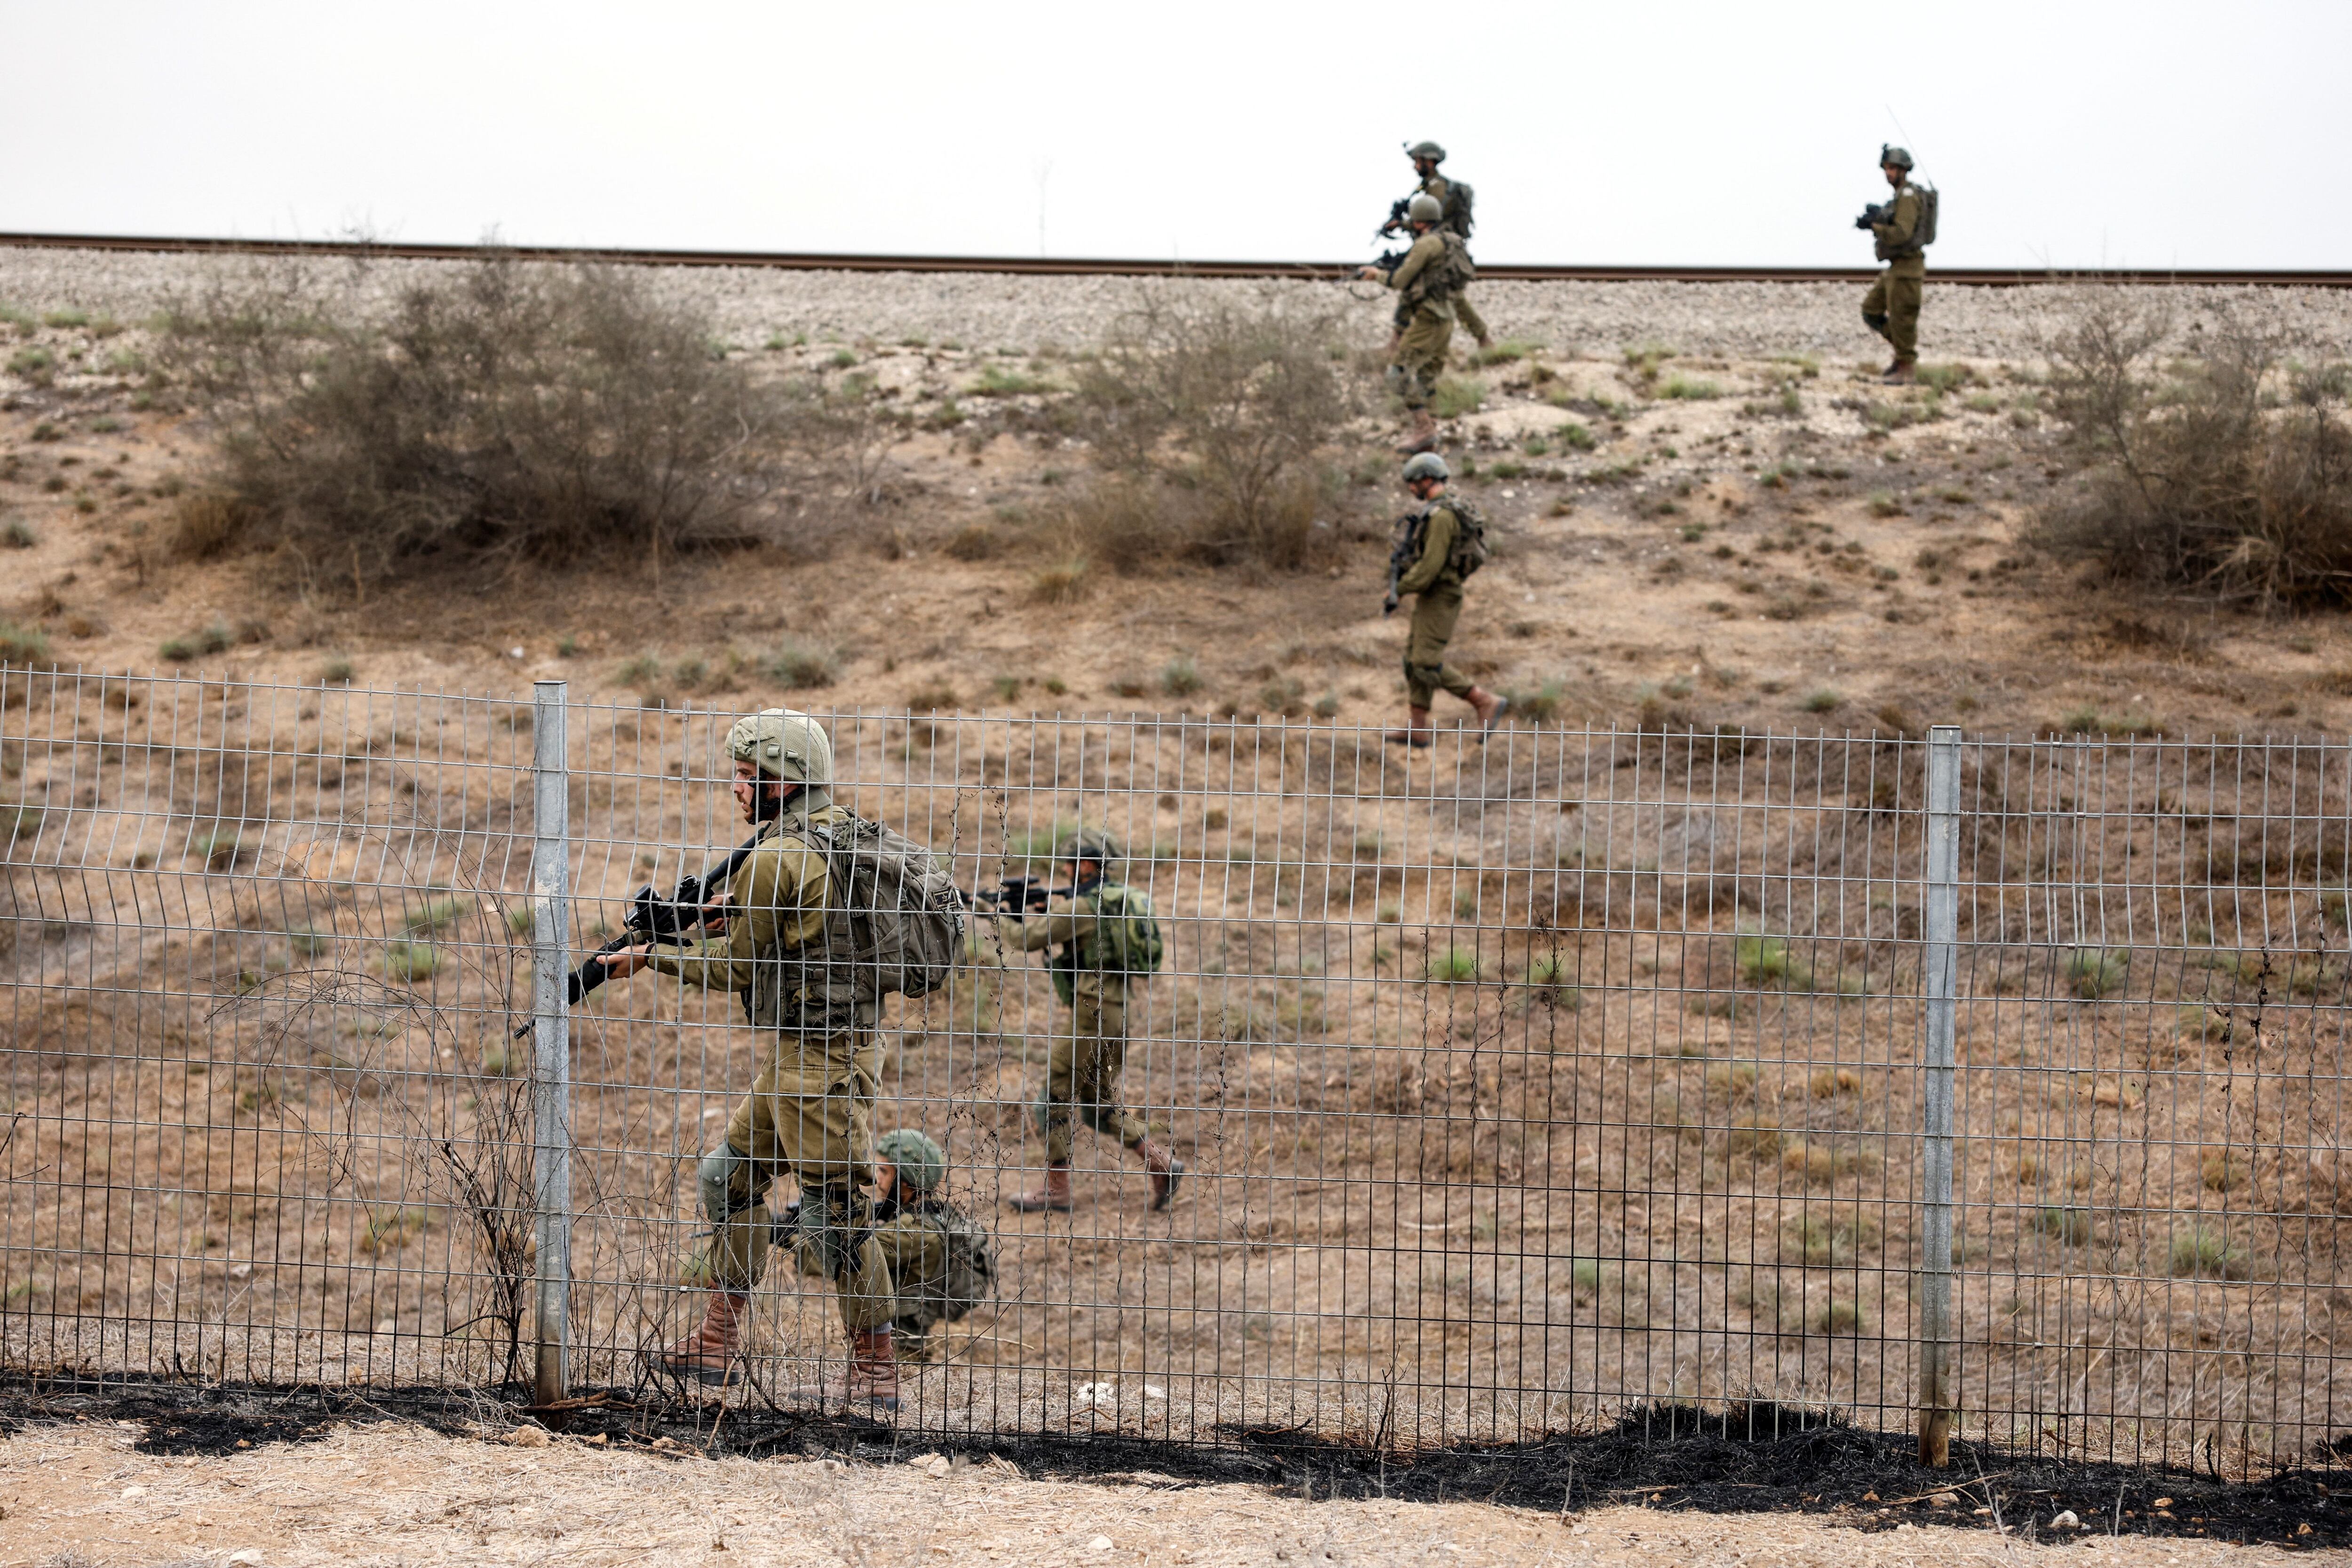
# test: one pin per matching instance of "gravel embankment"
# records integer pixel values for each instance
(1013, 311)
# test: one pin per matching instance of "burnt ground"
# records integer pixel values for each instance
(1754, 1458)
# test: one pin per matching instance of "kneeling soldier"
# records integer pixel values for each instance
(1105, 940)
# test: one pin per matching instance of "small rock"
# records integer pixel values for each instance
(241, 1270)
(249, 1555)
(924, 1461)
(1099, 1543)
(1944, 1500)
(529, 1438)
(131, 1492)
(2064, 1519)
(388, 1325)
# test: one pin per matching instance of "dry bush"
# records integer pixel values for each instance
(2190, 472)
(1210, 421)
(497, 408)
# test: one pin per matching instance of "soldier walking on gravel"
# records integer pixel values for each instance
(784, 951)
(1438, 544)
(1901, 229)
(1454, 200)
(1426, 282)
(1105, 940)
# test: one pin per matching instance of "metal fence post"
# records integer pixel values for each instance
(551, 1036)
(1939, 977)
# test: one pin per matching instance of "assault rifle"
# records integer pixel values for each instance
(1402, 556)
(682, 918)
(1389, 260)
(1017, 896)
(1397, 214)
(1875, 214)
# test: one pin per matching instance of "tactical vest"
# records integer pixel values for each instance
(894, 923)
(1469, 550)
(1125, 939)
(967, 1279)
(1458, 199)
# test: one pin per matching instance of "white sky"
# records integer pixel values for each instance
(2062, 134)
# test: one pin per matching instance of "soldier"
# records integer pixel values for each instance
(806, 1111)
(1454, 200)
(1892, 307)
(1426, 282)
(1105, 942)
(1438, 544)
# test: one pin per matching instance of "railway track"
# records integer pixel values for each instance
(812, 261)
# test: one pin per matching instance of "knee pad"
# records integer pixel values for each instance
(1875, 322)
(724, 1182)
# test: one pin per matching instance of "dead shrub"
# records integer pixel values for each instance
(495, 409)
(206, 525)
(1209, 420)
(2190, 472)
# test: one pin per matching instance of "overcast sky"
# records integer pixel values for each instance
(2144, 135)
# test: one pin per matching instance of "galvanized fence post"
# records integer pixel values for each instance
(1938, 969)
(551, 1036)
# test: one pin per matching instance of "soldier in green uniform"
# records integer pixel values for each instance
(806, 1113)
(942, 1262)
(1438, 544)
(1454, 200)
(1424, 282)
(1105, 942)
(1892, 307)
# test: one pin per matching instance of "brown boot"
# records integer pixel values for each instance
(1053, 1196)
(1416, 732)
(871, 1377)
(1489, 706)
(873, 1370)
(1166, 1170)
(1902, 373)
(1422, 436)
(712, 1353)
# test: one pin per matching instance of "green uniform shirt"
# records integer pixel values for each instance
(1427, 252)
(1894, 238)
(780, 895)
(1068, 924)
(1435, 566)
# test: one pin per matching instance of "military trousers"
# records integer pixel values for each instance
(1895, 297)
(1082, 1073)
(1467, 314)
(1434, 614)
(1418, 357)
(806, 1115)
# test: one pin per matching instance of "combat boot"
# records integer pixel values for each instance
(871, 1377)
(873, 1370)
(1902, 373)
(1165, 1169)
(1053, 1196)
(1422, 436)
(712, 1353)
(1416, 732)
(1489, 706)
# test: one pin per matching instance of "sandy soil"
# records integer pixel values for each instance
(82, 1495)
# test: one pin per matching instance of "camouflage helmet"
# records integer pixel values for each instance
(1429, 149)
(782, 744)
(1425, 208)
(1086, 844)
(1426, 465)
(1890, 154)
(922, 1164)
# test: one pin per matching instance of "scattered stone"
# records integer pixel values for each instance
(2064, 1519)
(529, 1438)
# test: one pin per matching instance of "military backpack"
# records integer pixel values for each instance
(1458, 197)
(1469, 551)
(1924, 233)
(896, 924)
(968, 1277)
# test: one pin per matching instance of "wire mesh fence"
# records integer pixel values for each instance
(1518, 1083)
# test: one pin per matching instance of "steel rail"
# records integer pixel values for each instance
(827, 261)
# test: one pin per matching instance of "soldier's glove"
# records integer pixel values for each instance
(1388, 606)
